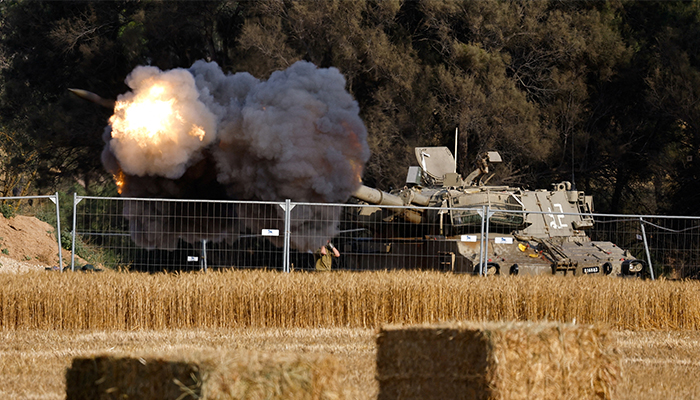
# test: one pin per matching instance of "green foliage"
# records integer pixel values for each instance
(92, 254)
(7, 210)
(66, 239)
(602, 93)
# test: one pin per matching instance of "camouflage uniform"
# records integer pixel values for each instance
(324, 262)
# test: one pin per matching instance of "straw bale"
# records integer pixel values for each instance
(521, 360)
(205, 375)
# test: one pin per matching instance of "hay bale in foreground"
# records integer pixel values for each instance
(495, 361)
(241, 375)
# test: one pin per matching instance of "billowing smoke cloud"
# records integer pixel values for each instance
(203, 134)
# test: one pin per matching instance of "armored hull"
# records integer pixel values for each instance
(445, 224)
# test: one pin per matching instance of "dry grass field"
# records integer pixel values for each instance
(33, 363)
(235, 299)
(657, 364)
(48, 318)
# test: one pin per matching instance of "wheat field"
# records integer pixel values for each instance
(657, 365)
(48, 318)
(238, 299)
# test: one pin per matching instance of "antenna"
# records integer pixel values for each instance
(456, 137)
(573, 165)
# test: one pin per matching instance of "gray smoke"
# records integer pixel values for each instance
(296, 136)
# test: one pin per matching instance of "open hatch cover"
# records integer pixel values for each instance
(435, 161)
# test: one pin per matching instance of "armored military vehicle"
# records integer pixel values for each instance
(438, 219)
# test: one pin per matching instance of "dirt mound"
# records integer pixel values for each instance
(27, 243)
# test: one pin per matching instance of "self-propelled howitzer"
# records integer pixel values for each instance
(439, 218)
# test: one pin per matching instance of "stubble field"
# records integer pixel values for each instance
(49, 318)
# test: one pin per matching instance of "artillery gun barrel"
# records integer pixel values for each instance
(378, 197)
(107, 103)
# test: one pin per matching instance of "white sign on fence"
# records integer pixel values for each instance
(503, 240)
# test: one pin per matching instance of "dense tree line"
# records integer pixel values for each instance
(604, 94)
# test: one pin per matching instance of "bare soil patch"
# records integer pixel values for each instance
(27, 244)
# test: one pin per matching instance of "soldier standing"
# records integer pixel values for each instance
(323, 257)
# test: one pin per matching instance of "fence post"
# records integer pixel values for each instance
(646, 247)
(58, 232)
(204, 254)
(485, 250)
(287, 231)
(482, 213)
(75, 209)
(484, 245)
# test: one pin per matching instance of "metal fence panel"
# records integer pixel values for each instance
(674, 245)
(43, 207)
(163, 234)
(670, 245)
(394, 237)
